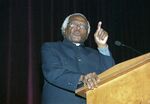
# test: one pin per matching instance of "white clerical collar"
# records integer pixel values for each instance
(77, 44)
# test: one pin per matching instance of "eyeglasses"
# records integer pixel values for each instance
(75, 25)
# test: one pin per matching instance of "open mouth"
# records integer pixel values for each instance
(76, 33)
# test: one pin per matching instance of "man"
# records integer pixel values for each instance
(67, 64)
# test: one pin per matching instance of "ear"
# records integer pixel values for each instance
(64, 33)
(65, 30)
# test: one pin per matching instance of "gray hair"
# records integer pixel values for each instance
(66, 21)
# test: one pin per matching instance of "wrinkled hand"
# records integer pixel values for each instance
(91, 80)
(101, 36)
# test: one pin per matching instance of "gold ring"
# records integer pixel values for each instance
(89, 79)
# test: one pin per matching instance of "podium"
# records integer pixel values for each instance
(125, 83)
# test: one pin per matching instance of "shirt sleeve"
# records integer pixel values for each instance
(105, 51)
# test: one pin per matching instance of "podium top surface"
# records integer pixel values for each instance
(118, 70)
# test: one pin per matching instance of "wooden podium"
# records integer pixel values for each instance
(125, 83)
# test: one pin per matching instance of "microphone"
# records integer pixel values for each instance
(118, 43)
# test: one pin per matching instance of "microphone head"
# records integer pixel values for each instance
(118, 43)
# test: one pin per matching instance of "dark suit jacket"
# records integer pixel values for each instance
(62, 65)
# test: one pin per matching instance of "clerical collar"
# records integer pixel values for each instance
(77, 44)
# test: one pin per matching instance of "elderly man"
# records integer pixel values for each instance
(68, 63)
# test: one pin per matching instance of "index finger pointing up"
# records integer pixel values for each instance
(99, 25)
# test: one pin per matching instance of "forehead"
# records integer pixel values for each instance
(78, 18)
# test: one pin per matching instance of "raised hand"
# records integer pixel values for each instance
(101, 36)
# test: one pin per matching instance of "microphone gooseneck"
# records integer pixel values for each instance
(118, 43)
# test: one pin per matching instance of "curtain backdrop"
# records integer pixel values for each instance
(26, 24)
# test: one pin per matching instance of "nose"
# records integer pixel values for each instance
(78, 27)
